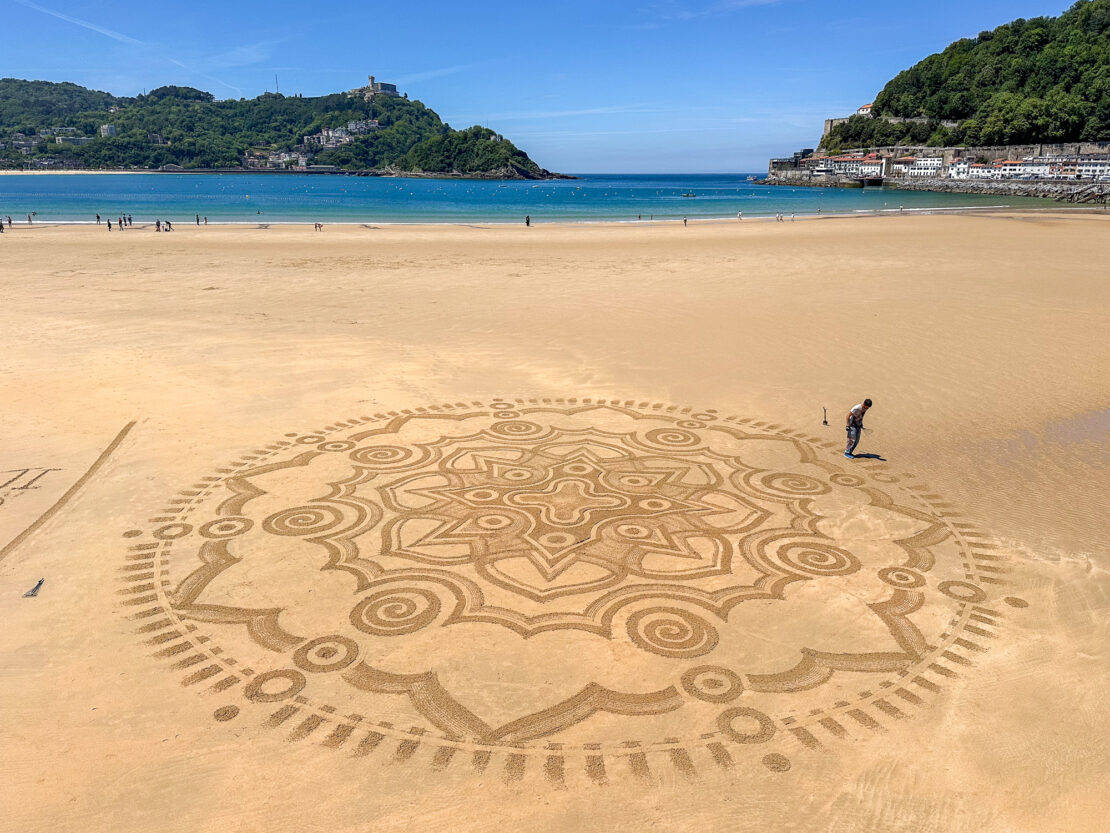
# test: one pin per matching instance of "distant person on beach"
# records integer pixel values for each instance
(206, 221)
(169, 226)
(198, 218)
(109, 224)
(854, 426)
(739, 215)
(684, 222)
(528, 220)
(792, 218)
(157, 225)
(28, 219)
(130, 222)
(98, 219)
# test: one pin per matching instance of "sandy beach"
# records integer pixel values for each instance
(229, 445)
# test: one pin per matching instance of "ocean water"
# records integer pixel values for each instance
(254, 198)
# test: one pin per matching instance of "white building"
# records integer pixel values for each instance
(926, 166)
(360, 128)
(901, 165)
(1093, 169)
(108, 130)
(980, 170)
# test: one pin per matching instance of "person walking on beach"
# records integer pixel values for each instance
(854, 426)
(98, 219)
(739, 215)
(206, 221)
(109, 224)
(684, 222)
(198, 218)
(792, 218)
(528, 220)
(157, 225)
(130, 222)
(28, 219)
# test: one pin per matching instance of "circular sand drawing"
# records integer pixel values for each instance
(584, 583)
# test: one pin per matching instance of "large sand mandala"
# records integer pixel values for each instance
(571, 586)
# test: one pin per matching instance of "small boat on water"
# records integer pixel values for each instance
(689, 195)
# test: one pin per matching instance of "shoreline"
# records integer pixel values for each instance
(701, 221)
(372, 173)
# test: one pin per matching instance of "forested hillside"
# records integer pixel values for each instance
(188, 127)
(1040, 80)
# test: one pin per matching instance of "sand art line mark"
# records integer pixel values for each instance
(69, 493)
(562, 503)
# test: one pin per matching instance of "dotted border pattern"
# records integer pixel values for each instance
(187, 650)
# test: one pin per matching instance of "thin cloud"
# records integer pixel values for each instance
(84, 24)
(122, 38)
(428, 74)
(248, 54)
(676, 11)
(559, 114)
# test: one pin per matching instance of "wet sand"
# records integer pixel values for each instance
(139, 364)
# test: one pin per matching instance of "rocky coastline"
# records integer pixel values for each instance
(1057, 190)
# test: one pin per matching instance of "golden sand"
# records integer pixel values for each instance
(396, 528)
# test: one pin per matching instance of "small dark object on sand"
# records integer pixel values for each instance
(34, 591)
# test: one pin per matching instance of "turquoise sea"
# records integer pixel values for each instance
(253, 198)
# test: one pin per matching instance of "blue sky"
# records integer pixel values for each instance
(582, 85)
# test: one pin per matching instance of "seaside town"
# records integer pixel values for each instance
(1089, 161)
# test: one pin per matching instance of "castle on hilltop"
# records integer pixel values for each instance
(374, 88)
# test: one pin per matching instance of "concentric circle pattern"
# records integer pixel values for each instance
(626, 584)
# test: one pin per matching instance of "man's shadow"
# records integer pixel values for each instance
(869, 457)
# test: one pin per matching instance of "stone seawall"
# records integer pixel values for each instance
(1004, 188)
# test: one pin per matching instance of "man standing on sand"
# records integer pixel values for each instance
(528, 220)
(684, 222)
(854, 426)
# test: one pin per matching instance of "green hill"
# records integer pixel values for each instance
(188, 127)
(1040, 80)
